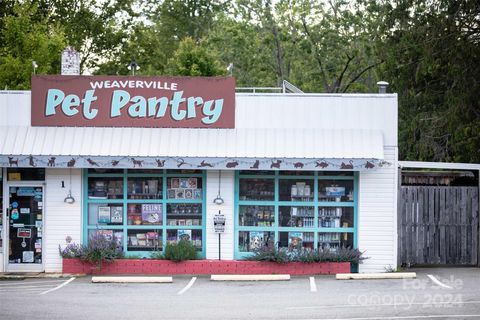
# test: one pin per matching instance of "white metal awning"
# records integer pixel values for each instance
(300, 148)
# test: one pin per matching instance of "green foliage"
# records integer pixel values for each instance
(28, 37)
(191, 59)
(431, 59)
(285, 255)
(180, 251)
(157, 255)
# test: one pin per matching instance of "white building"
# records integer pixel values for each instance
(319, 169)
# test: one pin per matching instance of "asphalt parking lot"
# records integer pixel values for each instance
(449, 293)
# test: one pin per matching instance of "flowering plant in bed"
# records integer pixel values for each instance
(306, 255)
(98, 250)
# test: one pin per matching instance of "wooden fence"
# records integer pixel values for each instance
(438, 225)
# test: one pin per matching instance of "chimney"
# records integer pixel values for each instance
(382, 86)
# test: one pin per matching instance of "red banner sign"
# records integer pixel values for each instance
(120, 101)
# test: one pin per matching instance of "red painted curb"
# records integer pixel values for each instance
(204, 267)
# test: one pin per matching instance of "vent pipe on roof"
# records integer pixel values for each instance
(382, 86)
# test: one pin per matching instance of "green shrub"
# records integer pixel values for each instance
(180, 251)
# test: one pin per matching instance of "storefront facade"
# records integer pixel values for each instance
(314, 170)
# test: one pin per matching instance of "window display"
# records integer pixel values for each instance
(335, 240)
(173, 236)
(335, 190)
(335, 217)
(109, 234)
(144, 240)
(105, 188)
(184, 214)
(144, 213)
(301, 217)
(257, 216)
(250, 241)
(128, 201)
(105, 213)
(257, 189)
(294, 240)
(294, 209)
(296, 190)
(144, 188)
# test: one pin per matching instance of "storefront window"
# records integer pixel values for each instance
(257, 189)
(294, 209)
(26, 174)
(335, 190)
(250, 241)
(335, 240)
(296, 239)
(300, 217)
(257, 216)
(296, 190)
(150, 207)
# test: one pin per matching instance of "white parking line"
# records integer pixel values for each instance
(26, 287)
(437, 282)
(313, 285)
(60, 286)
(440, 316)
(371, 305)
(188, 286)
(20, 283)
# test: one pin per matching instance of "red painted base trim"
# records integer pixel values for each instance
(204, 267)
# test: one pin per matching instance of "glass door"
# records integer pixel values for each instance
(25, 228)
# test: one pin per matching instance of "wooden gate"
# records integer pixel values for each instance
(438, 225)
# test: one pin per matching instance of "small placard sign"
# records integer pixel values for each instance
(219, 223)
(24, 233)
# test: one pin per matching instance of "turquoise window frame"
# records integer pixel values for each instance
(129, 173)
(276, 203)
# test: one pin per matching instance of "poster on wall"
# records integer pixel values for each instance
(133, 101)
(256, 240)
(104, 214)
(184, 235)
(116, 214)
(24, 233)
(152, 213)
(27, 256)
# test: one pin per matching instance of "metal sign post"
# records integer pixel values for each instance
(219, 227)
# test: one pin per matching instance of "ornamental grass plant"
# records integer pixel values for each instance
(306, 255)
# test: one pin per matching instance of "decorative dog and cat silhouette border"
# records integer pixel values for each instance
(124, 162)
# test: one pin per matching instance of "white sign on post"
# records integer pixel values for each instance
(70, 62)
(219, 223)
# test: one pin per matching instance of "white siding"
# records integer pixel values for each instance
(61, 219)
(15, 108)
(227, 193)
(322, 111)
(377, 215)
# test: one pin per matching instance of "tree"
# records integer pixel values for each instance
(28, 37)
(191, 59)
(97, 29)
(432, 62)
